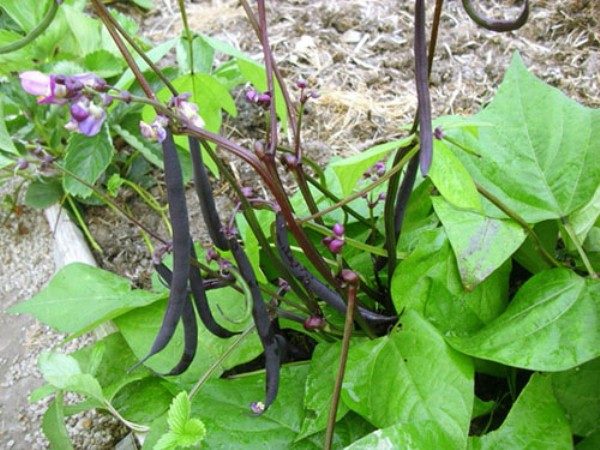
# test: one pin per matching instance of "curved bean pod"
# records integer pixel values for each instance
(205, 196)
(272, 343)
(313, 284)
(181, 246)
(190, 339)
(495, 24)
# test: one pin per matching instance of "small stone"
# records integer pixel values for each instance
(351, 37)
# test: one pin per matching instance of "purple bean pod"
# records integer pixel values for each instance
(495, 24)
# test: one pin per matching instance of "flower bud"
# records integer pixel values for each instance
(438, 133)
(257, 407)
(301, 83)
(22, 164)
(349, 277)
(338, 229)
(314, 323)
(336, 245)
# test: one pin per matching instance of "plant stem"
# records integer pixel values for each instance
(83, 225)
(36, 32)
(513, 215)
(575, 239)
(206, 375)
(335, 398)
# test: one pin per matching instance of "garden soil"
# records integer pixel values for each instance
(358, 55)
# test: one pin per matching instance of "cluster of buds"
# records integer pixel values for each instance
(160, 251)
(262, 99)
(375, 172)
(186, 109)
(211, 255)
(87, 117)
(305, 95)
(335, 243)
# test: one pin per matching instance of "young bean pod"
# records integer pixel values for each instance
(181, 246)
(205, 196)
(313, 284)
(272, 343)
(190, 339)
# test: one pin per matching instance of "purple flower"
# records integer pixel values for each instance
(301, 83)
(251, 96)
(86, 117)
(338, 229)
(44, 87)
(314, 323)
(187, 109)
(156, 131)
(257, 407)
(248, 192)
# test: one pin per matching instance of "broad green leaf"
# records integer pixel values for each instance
(592, 442)
(550, 325)
(452, 179)
(319, 388)
(540, 157)
(350, 170)
(578, 392)
(4, 161)
(53, 425)
(103, 63)
(14, 61)
(179, 412)
(26, 13)
(80, 297)
(43, 193)
(183, 431)
(536, 421)
(149, 150)
(428, 282)
(87, 158)
(417, 435)
(481, 244)
(392, 380)
(6, 143)
(140, 326)
(87, 31)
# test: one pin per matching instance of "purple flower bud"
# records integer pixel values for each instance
(190, 112)
(147, 131)
(336, 245)
(338, 229)
(381, 196)
(327, 240)
(349, 276)
(289, 161)
(301, 83)
(264, 99)
(259, 149)
(257, 407)
(283, 285)
(125, 96)
(106, 99)
(379, 168)
(251, 96)
(314, 323)
(211, 255)
(438, 133)
(247, 192)
(156, 131)
(22, 164)
(314, 94)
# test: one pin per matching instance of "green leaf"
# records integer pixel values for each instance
(42, 193)
(179, 413)
(140, 326)
(202, 53)
(350, 170)
(319, 389)
(149, 150)
(87, 31)
(53, 425)
(103, 63)
(540, 157)
(584, 218)
(452, 179)
(87, 158)
(529, 255)
(27, 13)
(428, 282)
(6, 143)
(481, 244)
(81, 297)
(392, 379)
(63, 372)
(142, 401)
(536, 421)
(592, 442)
(183, 431)
(550, 325)
(418, 435)
(578, 392)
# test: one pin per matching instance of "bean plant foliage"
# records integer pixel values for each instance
(439, 291)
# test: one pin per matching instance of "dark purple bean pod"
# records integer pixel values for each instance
(205, 196)
(199, 294)
(181, 246)
(264, 325)
(313, 284)
(404, 192)
(190, 339)
(422, 82)
(209, 284)
(495, 24)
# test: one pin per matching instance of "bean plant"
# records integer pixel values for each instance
(439, 291)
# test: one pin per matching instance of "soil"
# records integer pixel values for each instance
(358, 55)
